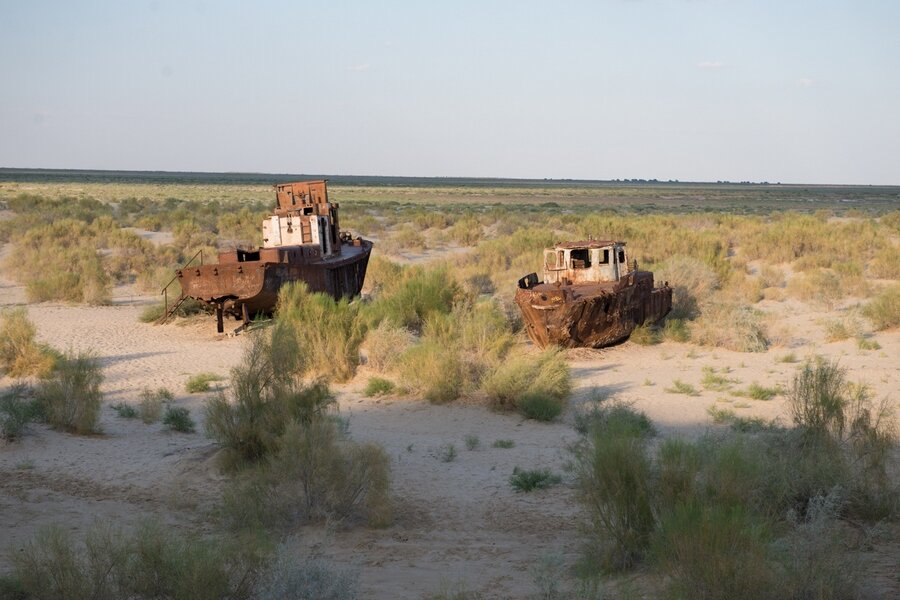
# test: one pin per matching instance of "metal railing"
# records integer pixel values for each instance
(165, 290)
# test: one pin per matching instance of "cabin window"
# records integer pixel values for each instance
(621, 257)
(604, 257)
(580, 258)
(550, 260)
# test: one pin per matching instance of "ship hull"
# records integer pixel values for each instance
(591, 315)
(250, 287)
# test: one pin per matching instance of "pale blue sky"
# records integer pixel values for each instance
(755, 90)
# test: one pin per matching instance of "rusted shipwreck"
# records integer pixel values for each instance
(302, 241)
(590, 296)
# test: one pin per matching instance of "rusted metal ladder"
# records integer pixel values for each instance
(181, 298)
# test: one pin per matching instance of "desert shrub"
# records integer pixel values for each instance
(884, 309)
(761, 392)
(433, 369)
(676, 330)
(841, 329)
(537, 379)
(151, 402)
(720, 415)
(267, 394)
(616, 415)
(155, 312)
(153, 562)
(506, 444)
(292, 577)
(539, 407)
(843, 421)
(16, 412)
(772, 276)
(413, 295)
(816, 398)
(385, 344)
(200, 382)
(886, 263)
(645, 335)
(407, 238)
(472, 441)
(20, 354)
(331, 330)
(534, 479)
(378, 386)
(713, 551)
(692, 283)
(613, 474)
(315, 473)
(680, 387)
(178, 418)
(712, 380)
(820, 286)
(70, 396)
(447, 453)
(731, 326)
(125, 411)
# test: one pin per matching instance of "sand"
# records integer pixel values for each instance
(458, 524)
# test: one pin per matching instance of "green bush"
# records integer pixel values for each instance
(712, 551)
(378, 386)
(153, 562)
(151, 404)
(385, 344)
(680, 387)
(20, 354)
(413, 296)
(16, 412)
(267, 394)
(125, 411)
(70, 397)
(616, 415)
(331, 331)
(314, 474)
(298, 579)
(537, 379)
(645, 335)
(506, 444)
(539, 407)
(534, 479)
(731, 326)
(435, 370)
(178, 418)
(884, 309)
(614, 477)
(200, 382)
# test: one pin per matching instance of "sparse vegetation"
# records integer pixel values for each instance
(200, 382)
(714, 515)
(884, 309)
(535, 479)
(17, 411)
(538, 385)
(70, 396)
(473, 442)
(178, 418)
(680, 387)
(152, 562)
(378, 386)
(150, 405)
(20, 354)
(503, 444)
(125, 411)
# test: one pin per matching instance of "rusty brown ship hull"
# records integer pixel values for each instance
(242, 285)
(591, 314)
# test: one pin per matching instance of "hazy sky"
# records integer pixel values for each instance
(780, 90)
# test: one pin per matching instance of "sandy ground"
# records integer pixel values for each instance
(458, 524)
